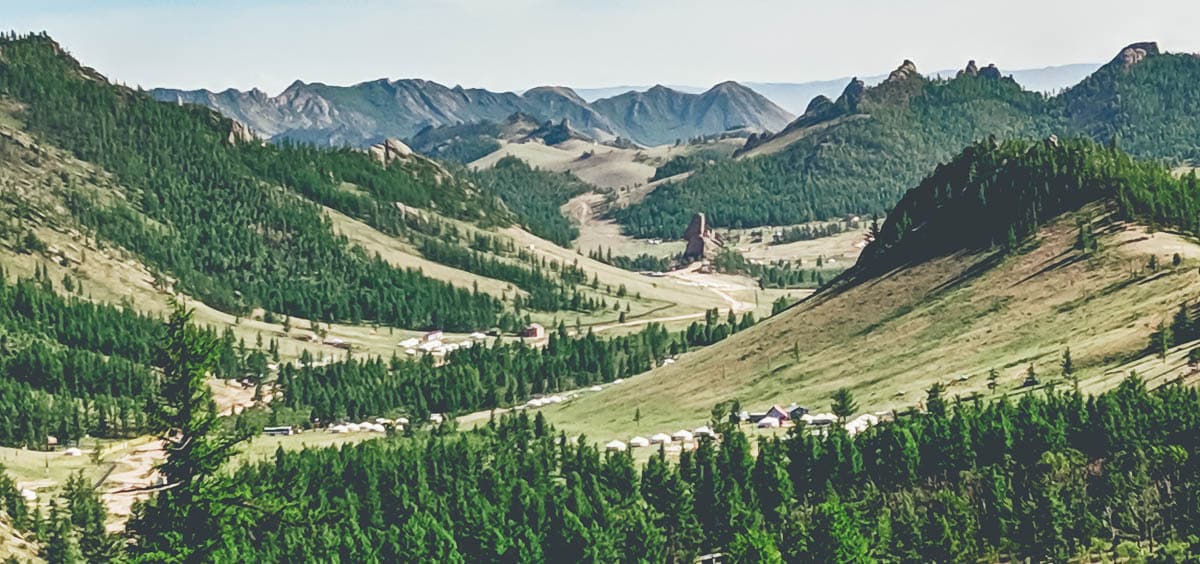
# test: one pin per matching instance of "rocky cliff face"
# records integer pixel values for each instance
(905, 71)
(1135, 53)
(702, 243)
(239, 133)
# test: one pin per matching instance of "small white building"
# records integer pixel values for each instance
(430, 346)
(615, 446)
(703, 431)
(639, 442)
(409, 343)
(682, 435)
(73, 452)
(768, 423)
(660, 439)
(435, 335)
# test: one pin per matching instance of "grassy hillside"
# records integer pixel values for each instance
(926, 305)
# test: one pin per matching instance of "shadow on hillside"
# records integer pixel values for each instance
(1067, 258)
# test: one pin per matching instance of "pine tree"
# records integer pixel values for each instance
(843, 404)
(180, 523)
(62, 547)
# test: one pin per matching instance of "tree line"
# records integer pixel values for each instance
(1048, 477)
(483, 377)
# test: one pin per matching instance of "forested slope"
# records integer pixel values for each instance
(859, 153)
(857, 166)
(224, 218)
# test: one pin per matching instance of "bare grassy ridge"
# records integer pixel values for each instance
(890, 338)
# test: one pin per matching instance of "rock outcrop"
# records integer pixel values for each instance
(702, 243)
(390, 150)
(971, 69)
(853, 94)
(818, 104)
(989, 71)
(905, 71)
(240, 133)
(1136, 53)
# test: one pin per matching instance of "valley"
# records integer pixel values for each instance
(402, 321)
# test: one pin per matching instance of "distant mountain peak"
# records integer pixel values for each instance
(1135, 53)
(559, 91)
(729, 85)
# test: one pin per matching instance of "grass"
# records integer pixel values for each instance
(890, 338)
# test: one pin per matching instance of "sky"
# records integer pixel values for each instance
(517, 44)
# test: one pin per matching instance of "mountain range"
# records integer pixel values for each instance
(794, 96)
(365, 113)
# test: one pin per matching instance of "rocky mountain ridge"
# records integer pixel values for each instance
(368, 112)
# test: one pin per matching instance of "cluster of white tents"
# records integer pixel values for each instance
(357, 428)
(543, 402)
(861, 423)
(822, 420)
(433, 344)
(380, 425)
(681, 436)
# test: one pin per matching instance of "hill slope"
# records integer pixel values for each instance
(933, 299)
(266, 233)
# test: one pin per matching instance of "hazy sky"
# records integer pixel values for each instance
(515, 44)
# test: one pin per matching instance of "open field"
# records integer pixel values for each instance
(839, 250)
(890, 338)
